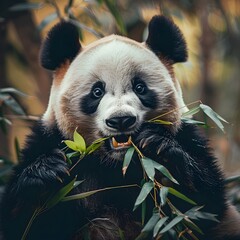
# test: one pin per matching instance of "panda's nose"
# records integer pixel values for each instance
(121, 123)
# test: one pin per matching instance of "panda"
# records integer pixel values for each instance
(110, 89)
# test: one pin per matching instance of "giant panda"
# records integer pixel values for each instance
(111, 88)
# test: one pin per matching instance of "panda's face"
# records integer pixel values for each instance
(110, 89)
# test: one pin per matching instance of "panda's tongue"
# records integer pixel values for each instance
(121, 141)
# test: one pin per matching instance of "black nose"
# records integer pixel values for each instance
(121, 123)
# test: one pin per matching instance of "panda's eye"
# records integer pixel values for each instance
(140, 88)
(97, 92)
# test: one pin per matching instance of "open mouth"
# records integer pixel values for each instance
(120, 141)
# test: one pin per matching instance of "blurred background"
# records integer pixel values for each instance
(211, 74)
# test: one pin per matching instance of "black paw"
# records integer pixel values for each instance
(42, 176)
(154, 138)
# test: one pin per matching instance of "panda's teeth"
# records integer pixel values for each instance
(124, 144)
(114, 142)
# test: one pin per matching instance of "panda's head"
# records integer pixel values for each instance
(112, 86)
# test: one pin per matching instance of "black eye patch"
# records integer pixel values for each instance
(90, 102)
(147, 96)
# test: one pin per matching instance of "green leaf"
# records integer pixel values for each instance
(69, 5)
(127, 159)
(72, 145)
(93, 147)
(13, 90)
(213, 115)
(60, 194)
(148, 166)
(79, 140)
(152, 221)
(48, 19)
(82, 26)
(195, 214)
(143, 236)
(111, 5)
(17, 148)
(77, 183)
(175, 221)
(180, 195)
(12, 103)
(5, 120)
(192, 225)
(143, 212)
(162, 122)
(165, 172)
(146, 189)
(158, 226)
(26, 6)
(191, 112)
(100, 140)
(89, 193)
(232, 179)
(192, 121)
(163, 195)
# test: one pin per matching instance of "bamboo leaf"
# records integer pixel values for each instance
(77, 183)
(163, 195)
(232, 179)
(158, 226)
(12, 103)
(100, 140)
(89, 193)
(191, 112)
(162, 122)
(13, 90)
(93, 147)
(26, 6)
(213, 115)
(180, 195)
(60, 194)
(165, 172)
(72, 145)
(174, 222)
(192, 225)
(5, 120)
(146, 189)
(111, 5)
(127, 159)
(17, 148)
(195, 214)
(148, 166)
(86, 28)
(152, 221)
(192, 121)
(48, 19)
(143, 213)
(79, 140)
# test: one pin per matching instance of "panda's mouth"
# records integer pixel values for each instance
(120, 141)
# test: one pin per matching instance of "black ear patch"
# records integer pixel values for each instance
(165, 38)
(62, 43)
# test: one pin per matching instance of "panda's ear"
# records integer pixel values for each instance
(166, 39)
(62, 44)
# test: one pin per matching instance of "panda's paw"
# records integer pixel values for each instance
(154, 138)
(43, 175)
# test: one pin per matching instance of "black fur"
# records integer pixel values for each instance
(185, 154)
(148, 97)
(89, 102)
(61, 44)
(166, 39)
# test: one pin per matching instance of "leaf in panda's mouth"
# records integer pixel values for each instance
(121, 141)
